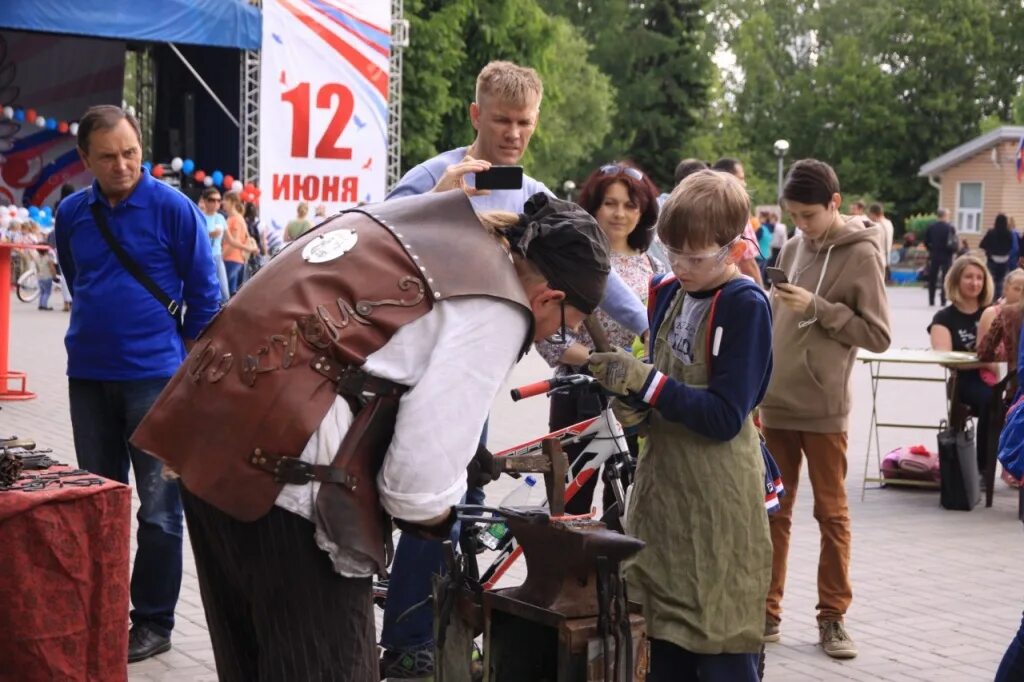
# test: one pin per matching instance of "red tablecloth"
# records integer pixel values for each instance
(64, 582)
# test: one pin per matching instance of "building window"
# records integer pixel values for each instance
(968, 207)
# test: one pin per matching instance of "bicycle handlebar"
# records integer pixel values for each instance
(548, 385)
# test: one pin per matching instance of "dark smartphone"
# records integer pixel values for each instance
(776, 276)
(500, 177)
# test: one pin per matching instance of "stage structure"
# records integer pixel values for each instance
(341, 143)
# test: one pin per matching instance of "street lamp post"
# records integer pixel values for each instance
(568, 187)
(781, 147)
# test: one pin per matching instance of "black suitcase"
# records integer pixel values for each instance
(960, 487)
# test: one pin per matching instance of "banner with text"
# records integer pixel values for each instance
(323, 105)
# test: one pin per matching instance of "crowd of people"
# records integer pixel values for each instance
(723, 374)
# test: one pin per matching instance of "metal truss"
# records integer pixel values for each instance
(399, 41)
(249, 115)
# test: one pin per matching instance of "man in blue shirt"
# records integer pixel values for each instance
(504, 115)
(123, 345)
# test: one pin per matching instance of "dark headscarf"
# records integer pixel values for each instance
(566, 245)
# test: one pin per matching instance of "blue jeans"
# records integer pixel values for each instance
(416, 562)
(222, 277)
(234, 273)
(45, 287)
(1012, 666)
(103, 416)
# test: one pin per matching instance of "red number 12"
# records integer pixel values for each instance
(327, 147)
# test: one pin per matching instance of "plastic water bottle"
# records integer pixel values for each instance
(527, 494)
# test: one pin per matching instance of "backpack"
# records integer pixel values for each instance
(951, 241)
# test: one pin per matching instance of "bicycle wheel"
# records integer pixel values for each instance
(28, 286)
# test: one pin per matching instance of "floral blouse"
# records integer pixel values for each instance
(636, 271)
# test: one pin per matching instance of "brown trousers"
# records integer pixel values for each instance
(826, 465)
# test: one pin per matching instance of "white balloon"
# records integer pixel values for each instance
(176, 163)
(208, 181)
(22, 212)
(8, 112)
(40, 121)
(73, 128)
(5, 221)
(237, 186)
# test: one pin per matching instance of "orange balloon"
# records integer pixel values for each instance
(200, 175)
(158, 171)
(62, 127)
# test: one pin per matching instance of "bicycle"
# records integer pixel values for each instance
(603, 442)
(28, 284)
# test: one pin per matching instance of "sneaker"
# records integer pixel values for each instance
(772, 631)
(410, 664)
(835, 640)
(143, 643)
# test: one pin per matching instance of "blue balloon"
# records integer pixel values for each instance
(46, 221)
(51, 124)
(47, 211)
(148, 165)
(218, 178)
(188, 166)
(19, 114)
(33, 212)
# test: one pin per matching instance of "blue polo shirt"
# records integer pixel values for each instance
(119, 331)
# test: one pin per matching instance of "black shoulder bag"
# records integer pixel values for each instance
(172, 307)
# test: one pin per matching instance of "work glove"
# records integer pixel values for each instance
(633, 420)
(619, 372)
(480, 471)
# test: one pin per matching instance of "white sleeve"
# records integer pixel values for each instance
(440, 419)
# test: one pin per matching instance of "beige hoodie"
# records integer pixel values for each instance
(813, 358)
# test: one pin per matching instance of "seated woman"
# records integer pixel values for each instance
(624, 202)
(999, 336)
(968, 287)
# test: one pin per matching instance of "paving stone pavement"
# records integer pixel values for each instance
(935, 594)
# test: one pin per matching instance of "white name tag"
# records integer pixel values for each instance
(327, 247)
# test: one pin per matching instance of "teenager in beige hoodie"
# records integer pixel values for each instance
(834, 304)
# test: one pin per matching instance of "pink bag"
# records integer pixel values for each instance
(912, 463)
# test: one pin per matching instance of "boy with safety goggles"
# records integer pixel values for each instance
(699, 496)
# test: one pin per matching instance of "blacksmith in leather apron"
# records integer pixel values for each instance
(289, 365)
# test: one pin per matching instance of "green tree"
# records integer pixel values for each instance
(435, 55)
(658, 56)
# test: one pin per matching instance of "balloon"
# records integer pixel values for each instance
(148, 166)
(8, 112)
(40, 121)
(62, 127)
(188, 166)
(19, 115)
(73, 128)
(218, 177)
(47, 210)
(51, 124)
(158, 171)
(236, 186)
(31, 115)
(46, 221)
(33, 212)
(176, 164)
(208, 181)
(22, 212)
(200, 175)
(228, 181)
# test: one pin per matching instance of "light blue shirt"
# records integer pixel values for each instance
(619, 301)
(212, 223)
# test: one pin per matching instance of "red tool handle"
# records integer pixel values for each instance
(530, 390)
